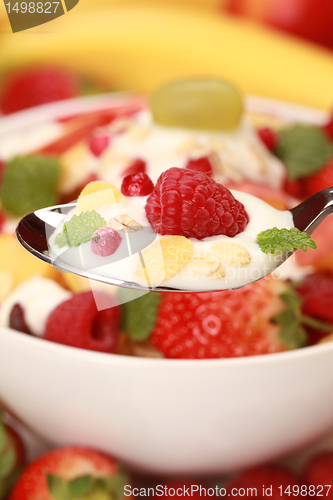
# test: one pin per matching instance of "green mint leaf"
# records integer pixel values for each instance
(292, 321)
(293, 335)
(58, 487)
(29, 183)
(139, 311)
(277, 240)
(80, 486)
(304, 149)
(79, 229)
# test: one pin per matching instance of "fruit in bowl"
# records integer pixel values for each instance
(127, 399)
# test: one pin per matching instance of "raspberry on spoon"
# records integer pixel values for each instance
(190, 204)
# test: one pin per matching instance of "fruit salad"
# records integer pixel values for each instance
(202, 192)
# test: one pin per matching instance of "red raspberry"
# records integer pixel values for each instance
(137, 185)
(135, 167)
(77, 322)
(269, 137)
(35, 86)
(105, 241)
(202, 165)
(266, 477)
(190, 204)
(319, 472)
(321, 180)
(97, 143)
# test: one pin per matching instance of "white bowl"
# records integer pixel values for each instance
(170, 416)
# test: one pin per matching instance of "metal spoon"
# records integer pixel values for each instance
(34, 230)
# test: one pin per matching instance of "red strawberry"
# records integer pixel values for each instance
(75, 472)
(190, 204)
(219, 324)
(202, 165)
(318, 474)
(39, 85)
(197, 490)
(77, 322)
(321, 180)
(137, 185)
(269, 137)
(135, 167)
(317, 293)
(276, 481)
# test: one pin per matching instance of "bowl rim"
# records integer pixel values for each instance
(283, 109)
(102, 358)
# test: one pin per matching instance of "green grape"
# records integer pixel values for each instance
(210, 104)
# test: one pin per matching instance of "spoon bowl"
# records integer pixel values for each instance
(34, 230)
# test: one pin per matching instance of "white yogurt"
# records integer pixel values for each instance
(239, 153)
(122, 265)
(38, 297)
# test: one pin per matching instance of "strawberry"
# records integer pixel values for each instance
(12, 457)
(270, 481)
(318, 474)
(39, 85)
(320, 180)
(317, 293)
(220, 324)
(71, 473)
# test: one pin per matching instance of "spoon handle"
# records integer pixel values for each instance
(309, 214)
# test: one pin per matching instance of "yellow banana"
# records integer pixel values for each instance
(140, 46)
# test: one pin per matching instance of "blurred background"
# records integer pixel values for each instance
(275, 48)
